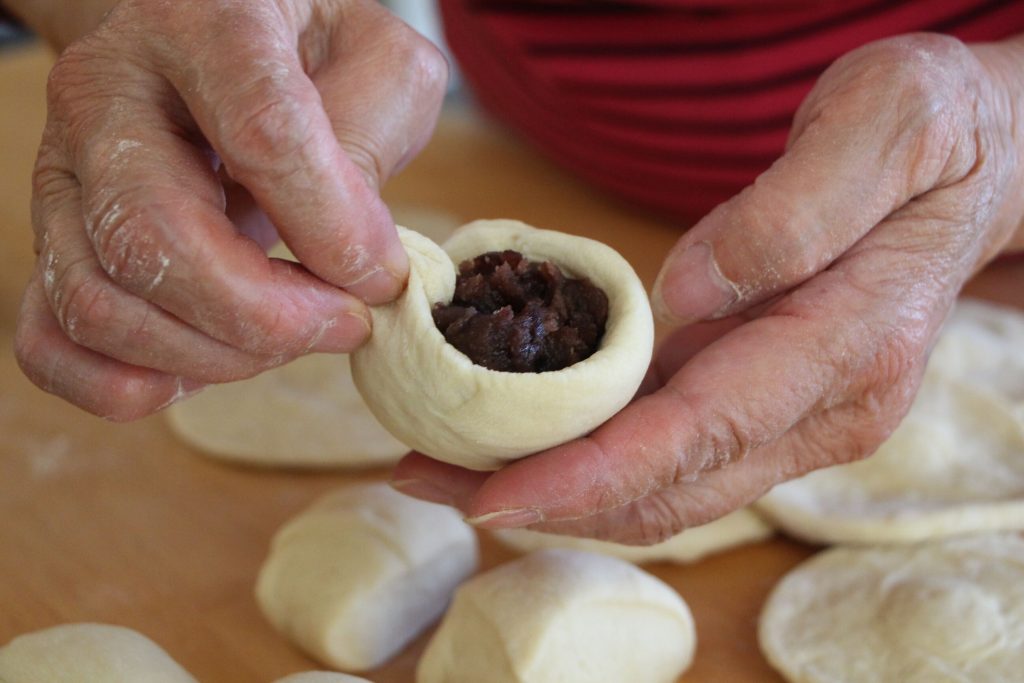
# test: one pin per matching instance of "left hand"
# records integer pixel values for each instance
(828, 279)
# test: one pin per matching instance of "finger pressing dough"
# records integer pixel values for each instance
(955, 465)
(736, 528)
(360, 573)
(982, 344)
(561, 615)
(88, 653)
(944, 611)
(437, 401)
(321, 677)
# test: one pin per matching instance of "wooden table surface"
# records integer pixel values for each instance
(123, 524)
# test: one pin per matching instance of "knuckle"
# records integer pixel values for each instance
(265, 131)
(84, 304)
(122, 233)
(423, 64)
(655, 519)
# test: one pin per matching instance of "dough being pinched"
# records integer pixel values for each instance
(955, 465)
(361, 572)
(561, 615)
(950, 610)
(735, 529)
(88, 653)
(437, 401)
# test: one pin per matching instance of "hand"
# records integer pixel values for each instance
(180, 135)
(829, 278)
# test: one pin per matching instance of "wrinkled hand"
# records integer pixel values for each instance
(828, 280)
(180, 135)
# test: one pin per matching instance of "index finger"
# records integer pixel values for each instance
(251, 97)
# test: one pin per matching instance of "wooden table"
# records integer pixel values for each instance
(123, 524)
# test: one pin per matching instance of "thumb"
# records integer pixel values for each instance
(868, 140)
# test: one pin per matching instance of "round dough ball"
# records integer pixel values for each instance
(321, 677)
(955, 465)
(361, 572)
(735, 529)
(950, 610)
(437, 401)
(88, 653)
(307, 413)
(562, 615)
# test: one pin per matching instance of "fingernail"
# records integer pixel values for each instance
(343, 334)
(691, 287)
(384, 283)
(417, 488)
(507, 519)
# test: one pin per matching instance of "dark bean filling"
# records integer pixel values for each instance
(515, 315)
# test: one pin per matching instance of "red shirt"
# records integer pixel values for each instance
(677, 104)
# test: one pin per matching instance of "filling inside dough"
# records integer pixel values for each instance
(514, 315)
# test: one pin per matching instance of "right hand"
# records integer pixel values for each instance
(182, 138)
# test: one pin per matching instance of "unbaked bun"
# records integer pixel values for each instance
(437, 401)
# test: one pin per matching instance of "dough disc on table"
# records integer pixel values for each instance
(943, 611)
(307, 413)
(304, 414)
(436, 400)
(955, 465)
(982, 344)
(561, 615)
(735, 529)
(359, 574)
(88, 653)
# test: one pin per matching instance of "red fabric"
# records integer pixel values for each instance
(677, 104)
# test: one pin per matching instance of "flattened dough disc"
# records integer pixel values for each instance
(955, 465)
(736, 528)
(941, 612)
(982, 344)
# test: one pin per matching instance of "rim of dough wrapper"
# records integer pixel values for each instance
(437, 401)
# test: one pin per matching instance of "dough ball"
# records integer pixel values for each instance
(982, 344)
(304, 414)
(437, 401)
(361, 572)
(562, 615)
(955, 465)
(321, 677)
(735, 529)
(950, 610)
(88, 653)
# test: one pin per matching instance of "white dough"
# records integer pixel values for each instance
(559, 616)
(321, 677)
(88, 653)
(437, 401)
(304, 414)
(955, 465)
(737, 528)
(982, 344)
(361, 572)
(949, 611)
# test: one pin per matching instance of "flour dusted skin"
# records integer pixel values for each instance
(436, 400)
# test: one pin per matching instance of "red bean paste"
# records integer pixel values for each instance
(515, 315)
